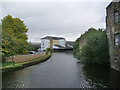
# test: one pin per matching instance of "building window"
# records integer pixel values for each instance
(117, 39)
(117, 16)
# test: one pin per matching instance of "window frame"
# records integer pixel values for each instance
(116, 16)
(115, 39)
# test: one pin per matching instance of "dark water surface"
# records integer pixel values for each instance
(61, 71)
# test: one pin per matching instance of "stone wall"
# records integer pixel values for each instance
(24, 58)
(112, 29)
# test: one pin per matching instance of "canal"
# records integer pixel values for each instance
(61, 71)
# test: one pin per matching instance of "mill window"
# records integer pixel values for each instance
(117, 39)
(43, 44)
(117, 16)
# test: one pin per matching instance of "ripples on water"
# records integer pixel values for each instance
(101, 76)
(62, 70)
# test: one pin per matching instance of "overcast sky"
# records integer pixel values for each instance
(64, 19)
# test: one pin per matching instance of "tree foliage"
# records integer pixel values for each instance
(0, 41)
(76, 48)
(95, 47)
(34, 47)
(14, 38)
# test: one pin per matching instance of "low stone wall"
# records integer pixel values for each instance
(23, 65)
(23, 58)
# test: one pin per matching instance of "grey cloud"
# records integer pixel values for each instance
(61, 19)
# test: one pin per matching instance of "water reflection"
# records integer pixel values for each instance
(62, 71)
(101, 76)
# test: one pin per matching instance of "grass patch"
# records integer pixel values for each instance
(12, 66)
(18, 64)
(6, 64)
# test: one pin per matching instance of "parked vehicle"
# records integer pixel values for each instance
(33, 52)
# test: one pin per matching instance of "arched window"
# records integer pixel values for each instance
(117, 16)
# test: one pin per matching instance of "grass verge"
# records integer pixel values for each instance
(11, 67)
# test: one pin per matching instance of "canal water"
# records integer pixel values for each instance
(61, 71)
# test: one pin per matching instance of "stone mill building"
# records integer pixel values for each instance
(113, 33)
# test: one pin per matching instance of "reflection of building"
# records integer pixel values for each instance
(53, 42)
(69, 44)
(113, 33)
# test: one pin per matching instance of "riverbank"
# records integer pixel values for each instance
(22, 65)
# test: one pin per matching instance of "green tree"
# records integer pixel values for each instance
(0, 43)
(95, 47)
(14, 38)
(76, 49)
(34, 47)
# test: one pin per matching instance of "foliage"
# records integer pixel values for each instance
(14, 38)
(34, 47)
(94, 47)
(0, 42)
(76, 49)
(7, 64)
(49, 50)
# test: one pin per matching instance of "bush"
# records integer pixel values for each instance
(49, 50)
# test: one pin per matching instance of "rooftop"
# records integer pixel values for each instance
(60, 47)
(51, 37)
(70, 43)
(114, 1)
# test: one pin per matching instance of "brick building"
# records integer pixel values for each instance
(113, 33)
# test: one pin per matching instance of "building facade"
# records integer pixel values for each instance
(52, 42)
(113, 33)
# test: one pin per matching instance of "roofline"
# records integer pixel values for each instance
(47, 37)
(109, 5)
(113, 2)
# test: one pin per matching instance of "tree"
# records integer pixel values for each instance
(14, 38)
(76, 49)
(95, 47)
(0, 42)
